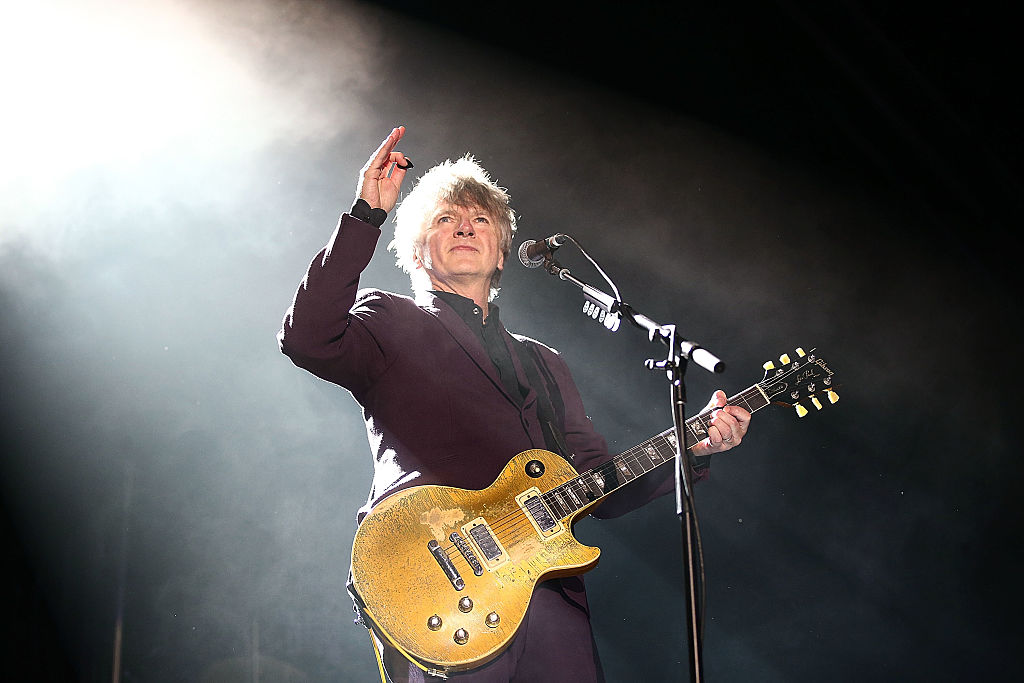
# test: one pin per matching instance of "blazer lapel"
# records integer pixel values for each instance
(517, 362)
(465, 338)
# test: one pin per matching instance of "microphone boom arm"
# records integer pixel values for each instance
(611, 306)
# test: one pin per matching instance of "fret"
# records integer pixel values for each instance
(575, 500)
(754, 399)
(611, 476)
(617, 473)
(551, 498)
(556, 501)
(587, 490)
(575, 490)
(670, 442)
(594, 489)
(741, 398)
(564, 500)
(646, 458)
(666, 449)
(571, 500)
(582, 486)
(622, 465)
(697, 428)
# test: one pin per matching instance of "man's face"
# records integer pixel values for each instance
(461, 244)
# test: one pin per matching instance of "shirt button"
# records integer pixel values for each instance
(476, 311)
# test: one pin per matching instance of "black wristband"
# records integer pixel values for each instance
(375, 217)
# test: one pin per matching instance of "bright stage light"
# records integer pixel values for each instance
(100, 82)
(129, 89)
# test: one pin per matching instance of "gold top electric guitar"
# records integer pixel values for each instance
(445, 574)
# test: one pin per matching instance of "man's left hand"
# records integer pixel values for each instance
(728, 426)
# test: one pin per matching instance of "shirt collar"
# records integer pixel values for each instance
(468, 309)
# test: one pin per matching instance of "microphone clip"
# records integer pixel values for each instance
(533, 254)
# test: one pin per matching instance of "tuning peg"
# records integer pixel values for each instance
(800, 410)
(769, 366)
(800, 352)
(784, 359)
(816, 402)
(832, 396)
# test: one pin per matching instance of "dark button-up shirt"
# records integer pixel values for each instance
(489, 332)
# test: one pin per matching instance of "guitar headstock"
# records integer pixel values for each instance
(806, 378)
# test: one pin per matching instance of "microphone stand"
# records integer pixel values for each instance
(680, 351)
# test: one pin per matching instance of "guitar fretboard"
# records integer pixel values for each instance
(608, 477)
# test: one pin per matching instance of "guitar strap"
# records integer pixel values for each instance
(550, 407)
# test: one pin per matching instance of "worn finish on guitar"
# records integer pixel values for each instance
(396, 568)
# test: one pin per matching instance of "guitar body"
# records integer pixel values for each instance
(455, 605)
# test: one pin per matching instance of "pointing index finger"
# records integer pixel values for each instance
(383, 154)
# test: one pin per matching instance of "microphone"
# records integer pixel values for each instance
(533, 253)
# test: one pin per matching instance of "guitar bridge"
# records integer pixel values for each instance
(467, 553)
(446, 565)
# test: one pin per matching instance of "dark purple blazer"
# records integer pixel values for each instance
(436, 410)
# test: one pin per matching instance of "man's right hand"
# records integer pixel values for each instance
(382, 175)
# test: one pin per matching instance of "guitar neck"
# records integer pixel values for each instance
(610, 476)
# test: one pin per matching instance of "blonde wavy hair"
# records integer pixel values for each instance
(462, 183)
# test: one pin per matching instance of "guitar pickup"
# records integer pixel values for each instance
(490, 549)
(538, 513)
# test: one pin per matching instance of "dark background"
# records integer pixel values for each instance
(765, 175)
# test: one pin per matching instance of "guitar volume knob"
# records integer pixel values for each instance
(492, 619)
(461, 636)
(434, 623)
(466, 604)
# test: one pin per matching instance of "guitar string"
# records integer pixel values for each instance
(515, 526)
(579, 485)
(509, 529)
(629, 461)
(517, 522)
(639, 455)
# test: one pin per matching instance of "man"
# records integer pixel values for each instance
(448, 395)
